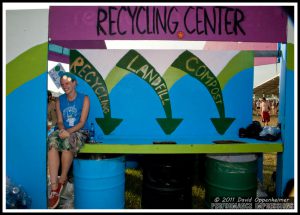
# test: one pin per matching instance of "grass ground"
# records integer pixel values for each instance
(270, 160)
(134, 177)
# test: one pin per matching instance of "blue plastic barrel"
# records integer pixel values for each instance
(99, 184)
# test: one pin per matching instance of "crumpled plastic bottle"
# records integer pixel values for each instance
(68, 197)
(260, 192)
(270, 130)
(16, 197)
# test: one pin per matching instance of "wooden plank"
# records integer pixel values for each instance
(182, 149)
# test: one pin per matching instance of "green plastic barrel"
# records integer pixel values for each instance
(229, 179)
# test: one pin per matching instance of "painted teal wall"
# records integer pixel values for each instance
(134, 101)
(206, 107)
(285, 160)
(26, 113)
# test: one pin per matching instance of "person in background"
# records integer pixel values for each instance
(52, 119)
(258, 107)
(253, 107)
(276, 107)
(265, 111)
(72, 109)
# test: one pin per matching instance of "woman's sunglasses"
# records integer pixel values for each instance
(67, 78)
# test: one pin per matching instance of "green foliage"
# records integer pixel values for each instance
(133, 188)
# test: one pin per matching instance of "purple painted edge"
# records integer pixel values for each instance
(80, 44)
(58, 57)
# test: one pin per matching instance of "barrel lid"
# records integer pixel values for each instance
(233, 158)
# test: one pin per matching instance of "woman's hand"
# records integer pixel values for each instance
(63, 134)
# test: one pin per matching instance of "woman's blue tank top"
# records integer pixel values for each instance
(71, 110)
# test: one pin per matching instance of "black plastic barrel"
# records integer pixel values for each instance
(167, 182)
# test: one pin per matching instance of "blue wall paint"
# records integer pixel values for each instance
(289, 143)
(26, 114)
(134, 101)
(285, 160)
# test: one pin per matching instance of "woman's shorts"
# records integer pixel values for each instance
(74, 143)
(266, 117)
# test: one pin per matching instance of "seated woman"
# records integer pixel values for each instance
(72, 110)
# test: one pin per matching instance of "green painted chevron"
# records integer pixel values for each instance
(172, 75)
(135, 63)
(203, 74)
(290, 57)
(26, 67)
(243, 60)
(81, 67)
(114, 76)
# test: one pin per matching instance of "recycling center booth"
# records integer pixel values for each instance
(164, 104)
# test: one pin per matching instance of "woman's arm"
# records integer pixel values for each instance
(59, 116)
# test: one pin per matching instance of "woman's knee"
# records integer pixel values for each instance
(67, 153)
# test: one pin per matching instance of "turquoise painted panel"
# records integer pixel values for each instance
(285, 160)
(289, 142)
(26, 114)
(134, 101)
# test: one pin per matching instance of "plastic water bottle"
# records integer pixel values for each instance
(92, 133)
(16, 197)
(51, 130)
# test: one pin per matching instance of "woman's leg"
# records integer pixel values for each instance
(53, 162)
(66, 161)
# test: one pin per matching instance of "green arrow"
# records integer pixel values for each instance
(108, 124)
(168, 124)
(192, 65)
(81, 67)
(222, 124)
(134, 62)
